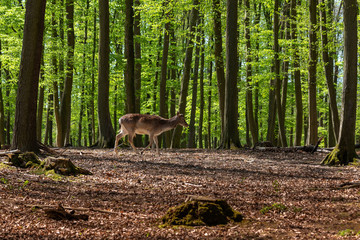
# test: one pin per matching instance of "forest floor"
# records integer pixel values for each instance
(281, 195)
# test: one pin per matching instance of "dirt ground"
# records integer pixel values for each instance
(281, 195)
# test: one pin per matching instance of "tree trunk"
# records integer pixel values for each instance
(344, 152)
(219, 61)
(186, 75)
(106, 130)
(329, 68)
(201, 86)
(209, 106)
(24, 137)
(313, 124)
(163, 77)
(282, 135)
(2, 112)
(249, 89)
(231, 131)
(191, 136)
(130, 58)
(297, 81)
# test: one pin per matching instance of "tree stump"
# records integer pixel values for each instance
(24, 160)
(201, 211)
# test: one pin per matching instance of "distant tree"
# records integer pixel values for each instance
(344, 152)
(24, 137)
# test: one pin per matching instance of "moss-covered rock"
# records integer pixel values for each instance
(201, 211)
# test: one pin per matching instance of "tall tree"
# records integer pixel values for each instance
(106, 130)
(164, 70)
(137, 56)
(277, 75)
(130, 57)
(191, 136)
(231, 131)
(297, 81)
(219, 60)
(344, 152)
(313, 124)
(329, 68)
(186, 74)
(249, 89)
(24, 137)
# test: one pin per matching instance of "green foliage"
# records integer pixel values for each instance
(154, 15)
(276, 207)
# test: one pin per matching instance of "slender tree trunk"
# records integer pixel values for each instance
(313, 124)
(219, 61)
(130, 57)
(40, 110)
(209, 105)
(297, 81)
(24, 137)
(329, 68)
(283, 141)
(201, 85)
(106, 130)
(249, 95)
(163, 77)
(231, 131)
(2, 112)
(191, 137)
(186, 74)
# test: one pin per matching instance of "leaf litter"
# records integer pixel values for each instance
(280, 195)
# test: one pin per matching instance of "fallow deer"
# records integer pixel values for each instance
(152, 125)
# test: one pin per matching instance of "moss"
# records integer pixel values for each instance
(25, 160)
(339, 156)
(200, 213)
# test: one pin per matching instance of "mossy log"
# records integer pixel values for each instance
(201, 211)
(63, 166)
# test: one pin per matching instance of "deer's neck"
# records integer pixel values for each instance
(172, 122)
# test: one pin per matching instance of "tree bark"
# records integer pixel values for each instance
(249, 82)
(191, 136)
(130, 58)
(24, 137)
(106, 130)
(281, 123)
(186, 74)
(297, 80)
(329, 68)
(344, 152)
(231, 131)
(313, 124)
(219, 61)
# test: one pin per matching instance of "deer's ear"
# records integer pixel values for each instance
(178, 113)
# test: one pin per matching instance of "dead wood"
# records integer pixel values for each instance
(72, 208)
(59, 213)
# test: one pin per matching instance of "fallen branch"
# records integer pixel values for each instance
(73, 208)
(348, 185)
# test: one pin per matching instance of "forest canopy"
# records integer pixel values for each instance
(287, 50)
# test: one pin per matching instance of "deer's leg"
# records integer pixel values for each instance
(117, 139)
(150, 144)
(157, 144)
(131, 138)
